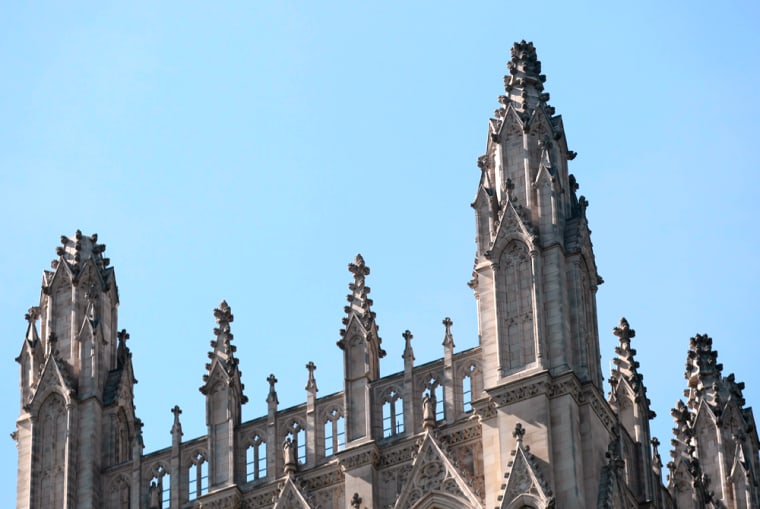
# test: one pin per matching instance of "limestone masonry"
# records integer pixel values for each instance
(519, 421)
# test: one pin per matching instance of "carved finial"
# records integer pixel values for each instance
(177, 426)
(223, 314)
(359, 269)
(448, 339)
(32, 315)
(519, 432)
(311, 384)
(356, 501)
(122, 351)
(624, 332)
(272, 397)
(408, 351)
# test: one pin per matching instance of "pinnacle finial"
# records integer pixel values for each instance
(624, 332)
(448, 339)
(177, 426)
(519, 432)
(311, 384)
(272, 396)
(408, 351)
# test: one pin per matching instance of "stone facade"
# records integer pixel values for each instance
(520, 421)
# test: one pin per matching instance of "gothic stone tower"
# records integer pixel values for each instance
(535, 282)
(77, 414)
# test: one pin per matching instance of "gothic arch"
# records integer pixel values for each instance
(515, 300)
(49, 444)
(119, 492)
(438, 500)
(526, 501)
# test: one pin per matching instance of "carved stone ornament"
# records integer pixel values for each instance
(434, 473)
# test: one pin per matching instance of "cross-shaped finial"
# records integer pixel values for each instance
(123, 336)
(447, 323)
(272, 380)
(223, 313)
(624, 332)
(519, 432)
(655, 442)
(356, 501)
(448, 340)
(408, 352)
(176, 411)
(359, 269)
(32, 315)
(311, 384)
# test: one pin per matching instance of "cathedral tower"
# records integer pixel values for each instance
(535, 282)
(77, 413)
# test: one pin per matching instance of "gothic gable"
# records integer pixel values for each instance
(291, 497)
(511, 227)
(434, 478)
(525, 483)
(54, 378)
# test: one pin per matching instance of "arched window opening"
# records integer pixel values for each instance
(160, 488)
(118, 496)
(297, 435)
(50, 440)
(198, 476)
(335, 434)
(467, 388)
(256, 459)
(435, 390)
(393, 414)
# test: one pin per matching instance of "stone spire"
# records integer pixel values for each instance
(223, 352)
(713, 435)
(524, 84)
(362, 352)
(359, 304)
(625, 373)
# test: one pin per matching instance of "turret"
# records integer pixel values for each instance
(361, 354)
(535, 277)
(715, 444)
(628, 399)
(224, 397)
(77, 414)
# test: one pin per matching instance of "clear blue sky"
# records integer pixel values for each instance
(248, 151)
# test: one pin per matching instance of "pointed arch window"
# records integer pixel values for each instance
(435, 390)
(198, 476)
(160, 488)
(335, 433)
(516, 308)
(297, 434)
(118, 494)
(256, 459)
(393, 413)
(50, 443)
(467, 387)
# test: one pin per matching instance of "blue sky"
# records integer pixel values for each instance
(248, 151)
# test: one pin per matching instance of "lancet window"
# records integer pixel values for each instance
(335, 433)
(297, 433)
(393, 413)
(468, 386)
(50, 436)
(198, 476)
(256, 459)
(435, 390)
(118, 494)
(160, 488)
